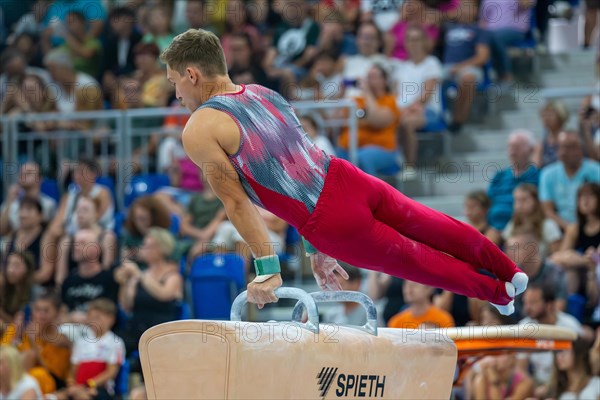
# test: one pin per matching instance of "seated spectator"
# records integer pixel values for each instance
(97, 357)
(572, 377)
(16, 287)
(560, 181)
(29, 237)
(589, 118)
(521, 170)
(540, 308)
(29, 185)
(45, 350)
(420, 313)
(378, 122)
(151, 76)
(507, 21)
(14, 68)
(87, 218)
(581, 237)
(383, 13)
(413, 13)
(348, 313)
(528, 216)
(28, 44)
(497, 377)
(334, 37)
(464, 310)
(14, 382)
(236, 21)
(322, 82)
(85, 50)
(489, 316)
(477, 205)
(158, 23)
(89, 281)
(146, 212)
(418, 95)
(524, 250)
(466, 52)
(151, 297)
(311, 128)
(381, 286)
(244, 63)
(554, 116)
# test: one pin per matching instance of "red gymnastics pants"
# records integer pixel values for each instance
(367, 223)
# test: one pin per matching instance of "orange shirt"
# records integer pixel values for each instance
(56, 359)
(433, 318)
(385, 137)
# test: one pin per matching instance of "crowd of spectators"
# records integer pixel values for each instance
(72, 269)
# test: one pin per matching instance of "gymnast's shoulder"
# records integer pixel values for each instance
(208, 125)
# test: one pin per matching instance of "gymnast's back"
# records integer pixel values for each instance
(279, 166)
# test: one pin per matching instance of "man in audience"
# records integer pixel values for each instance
(521, 144)
(540, 307)
(29, 185)
(559, 181)
(421, 313)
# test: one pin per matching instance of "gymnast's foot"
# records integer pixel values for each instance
(519, 281)
(508, 308)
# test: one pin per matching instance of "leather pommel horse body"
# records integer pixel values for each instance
(203, 359)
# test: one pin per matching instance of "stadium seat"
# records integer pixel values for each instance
(142, 185)
(50, 188)
(109, 182)
(216, 279)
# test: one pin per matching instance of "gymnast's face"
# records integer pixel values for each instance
(189, 87)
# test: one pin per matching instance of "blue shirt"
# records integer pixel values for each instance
(557, 187)
(461, 40)
(500, 193)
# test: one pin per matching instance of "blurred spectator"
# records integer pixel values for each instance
(497, 377)
(322, 82)
(13, 69)
(14, 382)
(464, 310)
(466, 52)
(476, 207)
(348, 313)
(29, 185)
(197, 16)
(309, 124)
(89, 281)
(159, 27)
(86, 214)
(540, 307)
(528, 216)
(85, 50)
(30, 237)
(118, 56)
(507, 21)
(16, 284)
(381, 286)
(45, 350)
(127, 94)
(595, 354)
(572, 377)
(245, 64)
(146, 212)
(138, 393)
(384, 13)
(236, 21)
(592, 9)
(420, 313)
(589, 118)
(418, 94)
(70, 84)
(369, 42)
(30, 23)
(97, 357)
(151, 297)
(489, 316)
(413, 13)
(155, 87)
(294, 44)
(334, 37)
(524, 250)
(28, 45)
(559, 181)
(520, 150)
(554, 116)
(378, 121)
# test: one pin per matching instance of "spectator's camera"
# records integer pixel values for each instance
(561, 9)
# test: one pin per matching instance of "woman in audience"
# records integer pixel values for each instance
(151, 76)
(150, 296)
(572, 378)
(554, 116)
(528, 215)
(378, 122)
(412, 13)
(158, 23)
(236, 21)
(476, 207)
(86, 213)
(30, 98)
(16, 287)
(14, 382)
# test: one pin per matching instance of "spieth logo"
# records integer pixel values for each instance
(350, 385)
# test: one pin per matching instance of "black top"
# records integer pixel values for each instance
(77, 291)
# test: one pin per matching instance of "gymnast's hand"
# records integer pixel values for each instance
(262, 293)
(324, 269)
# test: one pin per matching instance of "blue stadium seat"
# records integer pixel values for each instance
(50, 188)
(109, 182)
(142, 185)
(216, 279)
(122, 380)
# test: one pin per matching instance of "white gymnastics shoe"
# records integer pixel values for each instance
(509, 308)
(520, 281)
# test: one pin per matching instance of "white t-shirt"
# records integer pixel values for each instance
(543, 362)
(385, 12)
(550, 233)
(25, 383)
(410, 82)
(88, 350)
(591, 391)
(65, 99)
(48, 210)
(358, 66)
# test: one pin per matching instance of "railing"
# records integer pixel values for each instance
(556, 93)
(112, 136)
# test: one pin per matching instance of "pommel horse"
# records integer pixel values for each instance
(205, 359)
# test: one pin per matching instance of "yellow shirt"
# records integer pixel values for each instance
(432, 318)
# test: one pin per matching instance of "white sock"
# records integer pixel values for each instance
(509, 308)
(520, 281)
